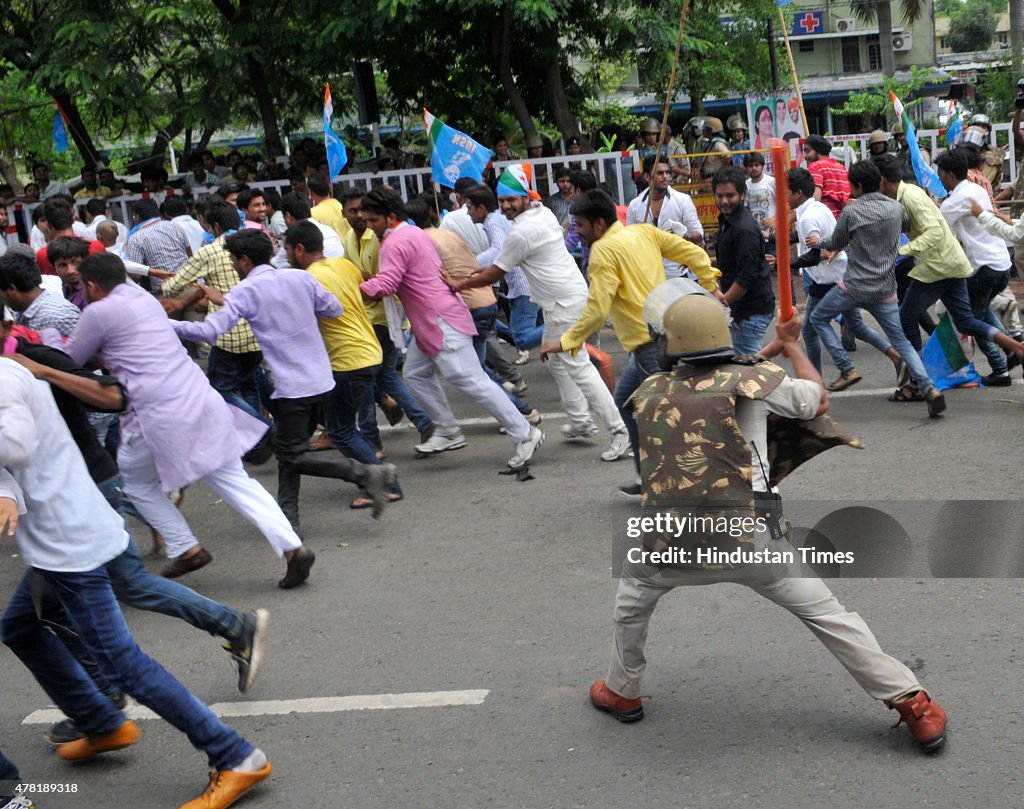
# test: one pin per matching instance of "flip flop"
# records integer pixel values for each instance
(367, 502)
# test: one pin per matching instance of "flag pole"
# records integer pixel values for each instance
(684, 11)
(792, 67)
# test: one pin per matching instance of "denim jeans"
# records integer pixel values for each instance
(233, 376)
(852, 320)
(295, 420)
(887, 314)
(353, 391)
(484, 318)
(953, 293)
(748, 334)
(643, 362)
(89, 602)
(9, 773)
(390, 382)
(982, 287)
(522, 330)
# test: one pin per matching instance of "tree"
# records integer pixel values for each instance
(874, 101)
(973, 29)
(881, 10)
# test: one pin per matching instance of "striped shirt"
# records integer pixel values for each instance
(831, 177)
(52, 311)
(159, 244)
(869, 230)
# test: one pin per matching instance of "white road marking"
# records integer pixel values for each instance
(407, 427)
(280, 707)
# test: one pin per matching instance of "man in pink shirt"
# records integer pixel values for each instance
(443, 331)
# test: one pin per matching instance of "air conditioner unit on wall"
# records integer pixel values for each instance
(902, 42)
(845, 25)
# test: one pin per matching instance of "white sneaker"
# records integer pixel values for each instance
(441, 443)
(573, 431)
(619, 448)
(525, 449)
(522, 358)
(519, 387)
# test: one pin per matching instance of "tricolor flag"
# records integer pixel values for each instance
(926, 176)
(60, 133)
(954, 126)
(337, 156)
(944, 358)
(454, 154)
(781, 3)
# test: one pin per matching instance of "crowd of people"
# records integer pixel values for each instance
(275, 314)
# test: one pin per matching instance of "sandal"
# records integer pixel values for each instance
(845, 380)
(367, 502)
(907, 393)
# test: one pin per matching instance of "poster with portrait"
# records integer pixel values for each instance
(775, 116)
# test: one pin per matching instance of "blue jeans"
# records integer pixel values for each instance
(522, 329)
(484, 318)
(748, 334)
(643, 362)
(9, 773)
(852, 319)
(233, 376)
(953, 293)
(887, 314)
(89, 602)
(352, 394)
(390, 382)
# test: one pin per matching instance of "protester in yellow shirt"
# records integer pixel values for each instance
(326, 209)
(625, 265)
(351, 345)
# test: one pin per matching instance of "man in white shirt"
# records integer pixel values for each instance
(536, 244)
(296, 208)
(175, 209)
(66, 533)
(986, 253)
(760, 193)
(47, 189)
(96, 210)
(669, 210)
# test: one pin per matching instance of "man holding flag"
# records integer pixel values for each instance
(916, 165)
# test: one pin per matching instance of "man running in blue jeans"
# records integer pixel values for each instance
(66, 533)
(869, 230)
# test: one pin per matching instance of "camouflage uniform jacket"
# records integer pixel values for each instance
(693, 456)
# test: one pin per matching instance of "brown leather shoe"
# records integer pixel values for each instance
(623, 709)
(226, 787)
(299, 565)
(91, 746)
(926, 720)
(187, 564)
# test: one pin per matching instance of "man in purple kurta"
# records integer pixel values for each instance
(282, 307)
(177, 429)
(443, 331)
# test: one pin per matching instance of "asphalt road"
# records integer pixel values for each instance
(480, 582)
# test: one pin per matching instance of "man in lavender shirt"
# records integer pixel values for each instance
(443, 331)
(177, 429)
(282, 307)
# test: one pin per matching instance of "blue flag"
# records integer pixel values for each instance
(337, 156)
(781, 3)
(60, 135)
(927, 177)
(454, 154)
(954, 128)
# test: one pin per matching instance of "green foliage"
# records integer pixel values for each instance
(973, 28)
(996, 90)
(874, 101)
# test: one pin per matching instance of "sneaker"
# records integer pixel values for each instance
(925, 719)
(227, 786)
(441, 443)
(517, 386)
(391, 409)
(91, 746)
(619, 448)
(623, 709)
(845, 380)
(533, 417)
(571, 432)
(18, 802)
(522, 357)
(936, 402)
(632, 490)
(381, 478)
(247, 648)
(997, 380)
(525, 449)
(67, 731)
